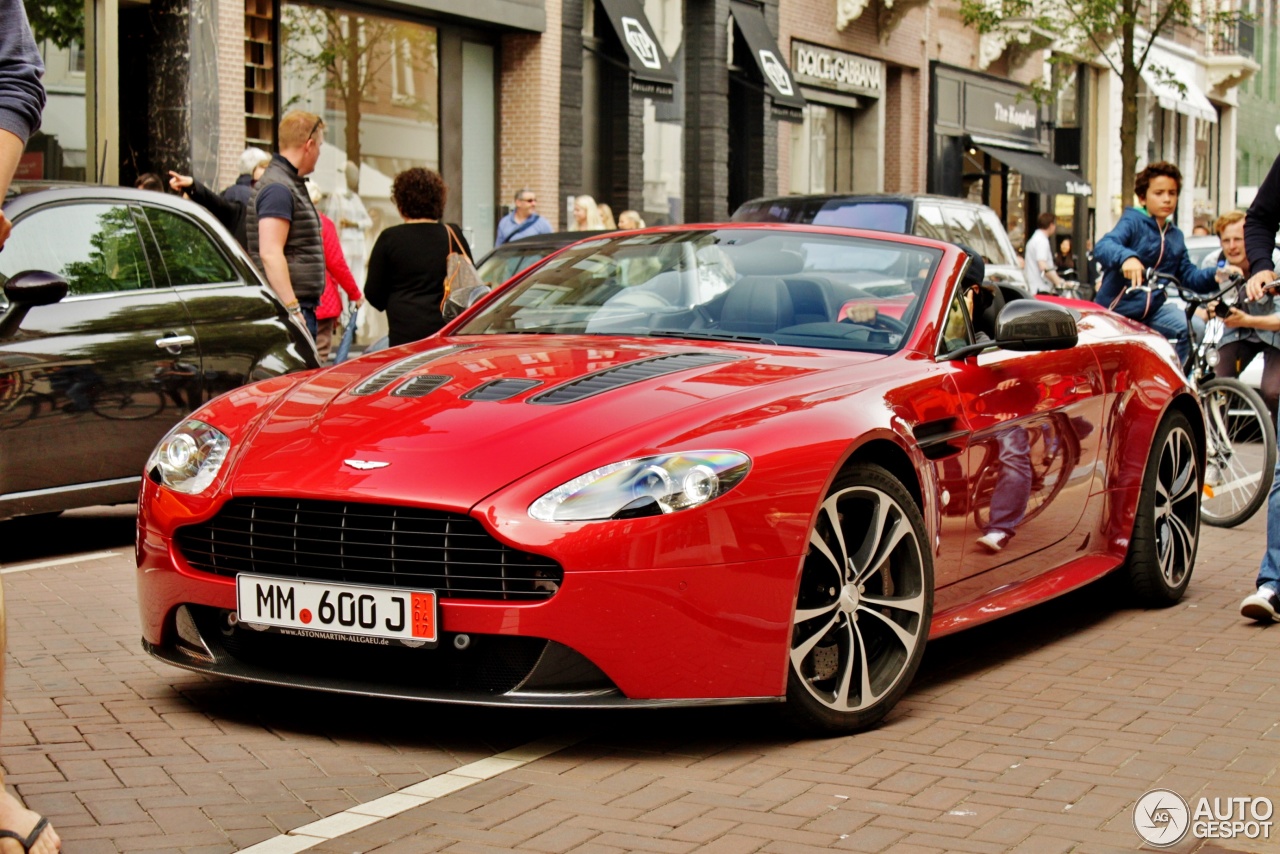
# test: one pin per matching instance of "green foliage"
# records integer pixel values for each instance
(116, 262)
(1119, 32)
(57, 21)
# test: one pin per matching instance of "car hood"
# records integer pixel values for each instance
(449, 424)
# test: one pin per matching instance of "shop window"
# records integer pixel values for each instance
(664, 124)
(822, 150)
(375, 81)
(58, 151)
(403, 74)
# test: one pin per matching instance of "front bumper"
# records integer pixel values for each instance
(685, 635)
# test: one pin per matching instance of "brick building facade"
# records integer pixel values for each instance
(504, 94)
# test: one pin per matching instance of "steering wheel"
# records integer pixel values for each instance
(883, 322)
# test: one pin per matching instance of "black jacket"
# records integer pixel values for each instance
(230, 213)
(1262, 221)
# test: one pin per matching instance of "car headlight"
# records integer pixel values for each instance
(188, 459)
(649, 486)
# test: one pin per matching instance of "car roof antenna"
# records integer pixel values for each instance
(102, 169)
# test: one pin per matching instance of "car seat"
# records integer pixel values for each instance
(758, 305)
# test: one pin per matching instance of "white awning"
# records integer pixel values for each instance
(1160, 65)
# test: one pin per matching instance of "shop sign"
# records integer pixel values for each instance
(814, 65)
(30, 166)
(1002, 114)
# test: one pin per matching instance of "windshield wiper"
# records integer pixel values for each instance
(710, 336)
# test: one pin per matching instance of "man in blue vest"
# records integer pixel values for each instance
(281, 223)
(523, 221)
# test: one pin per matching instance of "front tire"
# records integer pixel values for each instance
(1167, 528)
(863, 607)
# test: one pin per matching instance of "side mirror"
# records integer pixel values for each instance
(35, 287)
(461, 300)
(1029, 324)
(25, 291)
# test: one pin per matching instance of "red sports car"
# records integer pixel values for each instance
(680, 466)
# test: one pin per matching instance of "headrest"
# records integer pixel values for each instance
(765, 261)
(759, 304)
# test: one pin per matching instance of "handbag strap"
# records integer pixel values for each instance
(453, 240)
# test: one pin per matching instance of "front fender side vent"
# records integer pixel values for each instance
(632, 372)
(388, 375)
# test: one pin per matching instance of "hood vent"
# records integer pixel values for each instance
(501, 389)
(420, 386)
(633, 372)
(388, 375)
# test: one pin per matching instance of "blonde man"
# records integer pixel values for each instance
(1256, 328)
(282, 224)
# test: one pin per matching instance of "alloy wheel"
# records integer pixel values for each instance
(862, 604)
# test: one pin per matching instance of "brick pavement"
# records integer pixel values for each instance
(1036, 733)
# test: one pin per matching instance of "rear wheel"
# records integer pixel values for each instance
(1163, 549)
(1241, 452)
(863, 606)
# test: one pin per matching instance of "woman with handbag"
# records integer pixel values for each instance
(409, 264)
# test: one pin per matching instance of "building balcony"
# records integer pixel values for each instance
(1229, 61)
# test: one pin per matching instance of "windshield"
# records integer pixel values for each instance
(789, 288)
(504, 263)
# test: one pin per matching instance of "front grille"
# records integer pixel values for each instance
(390, 546)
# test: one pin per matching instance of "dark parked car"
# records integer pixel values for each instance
(162, 312)
(510, 258)
(940, 217)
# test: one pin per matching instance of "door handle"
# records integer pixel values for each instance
(175, 342)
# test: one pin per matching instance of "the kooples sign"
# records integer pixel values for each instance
(834, 69)
(1019, 116)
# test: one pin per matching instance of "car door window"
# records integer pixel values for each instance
(96, 247)
(188, 254)
(964, 226)
(929, 223)
(999, 238)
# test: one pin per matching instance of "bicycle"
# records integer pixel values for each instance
(1240, 435)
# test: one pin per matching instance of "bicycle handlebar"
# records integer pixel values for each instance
(1156, 280)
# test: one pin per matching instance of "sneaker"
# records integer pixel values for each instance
(993, 541)
(1263, 606)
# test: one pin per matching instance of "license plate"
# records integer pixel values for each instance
(339, 611)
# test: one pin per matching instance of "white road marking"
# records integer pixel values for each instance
(363, 815)
(62, 561)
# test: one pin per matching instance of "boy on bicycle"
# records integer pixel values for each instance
(1146, 238)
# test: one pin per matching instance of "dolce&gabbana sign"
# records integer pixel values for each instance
(814, 65)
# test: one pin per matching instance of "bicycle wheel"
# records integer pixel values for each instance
(123, 404)
(1241, 452)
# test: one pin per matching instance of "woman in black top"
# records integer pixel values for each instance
(408, 264)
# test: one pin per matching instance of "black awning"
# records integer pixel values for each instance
(1039, 173)
(778, 82)
(651, 73)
